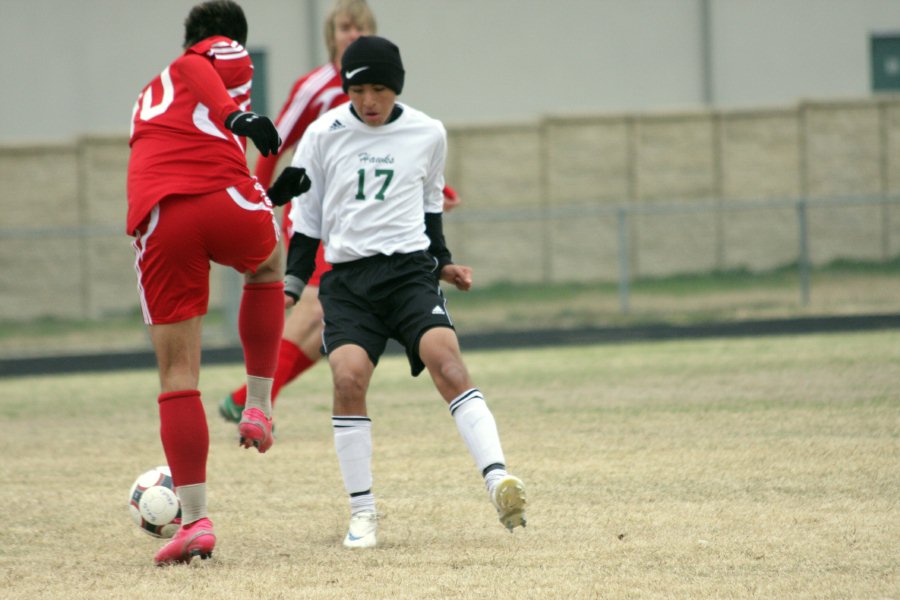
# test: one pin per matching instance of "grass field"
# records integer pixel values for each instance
(744, 468)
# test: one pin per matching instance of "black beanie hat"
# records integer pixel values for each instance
(372, 59)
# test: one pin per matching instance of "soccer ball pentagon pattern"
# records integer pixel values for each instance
(153, 505)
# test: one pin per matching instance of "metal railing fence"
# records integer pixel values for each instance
(81, 265)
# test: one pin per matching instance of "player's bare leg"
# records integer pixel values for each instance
(304, 325)
(177, 348)
(184, 435)
(439, 350)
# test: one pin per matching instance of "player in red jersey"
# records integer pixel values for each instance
(192, 200)
(311, 96)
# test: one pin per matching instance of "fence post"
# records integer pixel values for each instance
(803, 260)
(86, 282)
(545, 202)
(624, 259)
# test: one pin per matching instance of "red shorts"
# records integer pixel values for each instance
(176, 242)
(322, 267)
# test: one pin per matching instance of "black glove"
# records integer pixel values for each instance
(256, 127)
(291, 183)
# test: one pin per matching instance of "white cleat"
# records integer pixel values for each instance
(509, 499)
(361, 534)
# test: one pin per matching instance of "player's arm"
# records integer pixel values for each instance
(202, 80)
(306, 217)
(434, 187)
(458, 275)
(434, 229)
(301, 263)
(204, 83)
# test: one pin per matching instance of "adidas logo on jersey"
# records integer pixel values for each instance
(437, 310)
(336, 125)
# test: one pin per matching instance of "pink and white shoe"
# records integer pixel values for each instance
(255, 430)
(195, 539)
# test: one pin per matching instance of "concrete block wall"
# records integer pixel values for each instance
(41, 253)
(708, 190)
(107, 254)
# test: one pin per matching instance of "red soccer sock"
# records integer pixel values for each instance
(292, 361)
(184, 435)
(260, 325)
(239, 396)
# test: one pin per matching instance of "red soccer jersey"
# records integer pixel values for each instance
(179, 143)
(314, 94)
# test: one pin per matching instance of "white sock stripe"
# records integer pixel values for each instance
(340, 422)
(463, 398)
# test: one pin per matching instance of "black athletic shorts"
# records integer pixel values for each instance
(369, 300)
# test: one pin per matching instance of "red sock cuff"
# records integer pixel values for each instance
(165, 397)
(264, 286)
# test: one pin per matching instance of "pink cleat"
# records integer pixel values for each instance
(256, 430)
(195, 539)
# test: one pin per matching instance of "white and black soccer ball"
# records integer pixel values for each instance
(153, 505)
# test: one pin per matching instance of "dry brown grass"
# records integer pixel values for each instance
(749, 468)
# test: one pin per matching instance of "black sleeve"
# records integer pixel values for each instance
(301, 263)
(434, 229)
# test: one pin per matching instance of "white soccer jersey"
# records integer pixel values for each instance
(370, 185)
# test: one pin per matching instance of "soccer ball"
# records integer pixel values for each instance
(153, 505)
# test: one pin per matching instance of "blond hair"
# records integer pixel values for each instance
(358, 11)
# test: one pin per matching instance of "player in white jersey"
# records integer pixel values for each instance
(376, 169)
(311, 96)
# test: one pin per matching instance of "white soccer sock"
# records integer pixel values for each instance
(259, 394)
(362, 503)
(193, 502)
(353, 443)
(493, 478)
(478, 429)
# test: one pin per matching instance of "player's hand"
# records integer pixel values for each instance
(256, 127)
(458, 275)
(291, 183)
(451, 198)
(451, 203)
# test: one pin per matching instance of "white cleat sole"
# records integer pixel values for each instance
(509, 498)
